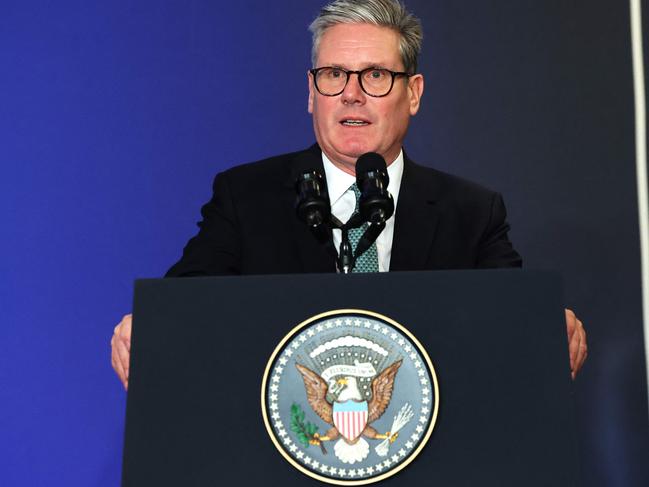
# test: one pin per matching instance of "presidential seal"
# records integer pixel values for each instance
(349, 397)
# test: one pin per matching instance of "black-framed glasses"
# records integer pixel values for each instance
(376, 82)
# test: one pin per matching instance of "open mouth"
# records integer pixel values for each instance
(354, 122)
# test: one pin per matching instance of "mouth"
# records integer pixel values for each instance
(354, 122)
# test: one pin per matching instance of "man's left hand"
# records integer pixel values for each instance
(576, 342)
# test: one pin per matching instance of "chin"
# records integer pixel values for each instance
(357, 148)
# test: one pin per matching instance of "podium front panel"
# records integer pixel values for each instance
(497, 341)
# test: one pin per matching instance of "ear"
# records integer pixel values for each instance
(311, 92)
(415, 92)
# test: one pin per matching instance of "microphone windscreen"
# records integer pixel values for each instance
(370, 162)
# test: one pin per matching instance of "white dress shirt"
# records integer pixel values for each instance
(343, 203)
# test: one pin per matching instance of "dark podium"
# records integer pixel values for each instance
(497, 340)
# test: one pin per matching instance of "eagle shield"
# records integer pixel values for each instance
(350, 418)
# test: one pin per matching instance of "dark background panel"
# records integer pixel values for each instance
(114, 117)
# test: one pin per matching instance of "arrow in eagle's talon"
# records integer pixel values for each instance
(394, 437)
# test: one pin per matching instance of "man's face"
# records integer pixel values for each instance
(356, 47)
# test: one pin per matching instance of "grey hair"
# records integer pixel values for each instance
(384, 13)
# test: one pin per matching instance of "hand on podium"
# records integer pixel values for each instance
(121, 348)
(577, 345)
(121, 345)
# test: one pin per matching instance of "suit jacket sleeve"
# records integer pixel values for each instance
(495, 250)
(216, 249)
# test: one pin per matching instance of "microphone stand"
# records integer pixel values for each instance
(313, 209)
(346, 258)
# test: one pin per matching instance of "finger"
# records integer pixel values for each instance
(582, 351)
(123, 357)
(127, 324)
(581, 356)
(125, 338)
(580, 348)
(121, 347)
(117, 365)
(126, 330)
(571, 323)
(123, 328)
(573, 349)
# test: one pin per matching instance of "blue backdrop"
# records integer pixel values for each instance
(114, 117)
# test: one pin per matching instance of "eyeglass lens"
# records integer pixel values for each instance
(374, 81)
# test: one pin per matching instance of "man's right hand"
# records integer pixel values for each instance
(121, 348)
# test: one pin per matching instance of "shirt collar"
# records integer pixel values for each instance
(338, 181)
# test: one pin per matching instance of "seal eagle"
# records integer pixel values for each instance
(349, 415)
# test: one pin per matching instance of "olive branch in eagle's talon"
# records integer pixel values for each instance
(307, 433)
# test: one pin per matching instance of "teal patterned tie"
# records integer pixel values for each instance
(369, 260)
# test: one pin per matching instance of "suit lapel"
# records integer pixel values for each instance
(415, 220)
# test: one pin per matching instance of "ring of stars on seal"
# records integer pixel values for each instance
(349, 397)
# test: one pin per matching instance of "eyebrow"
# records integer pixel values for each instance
(367, 66)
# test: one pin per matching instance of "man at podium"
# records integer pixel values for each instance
(363, 89)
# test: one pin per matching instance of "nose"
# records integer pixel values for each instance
(353, 93)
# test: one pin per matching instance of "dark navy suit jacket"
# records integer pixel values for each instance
(250, 226)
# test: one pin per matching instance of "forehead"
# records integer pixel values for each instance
(354, 46)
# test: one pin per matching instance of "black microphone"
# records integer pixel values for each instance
(312, 203)
(375, 203)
